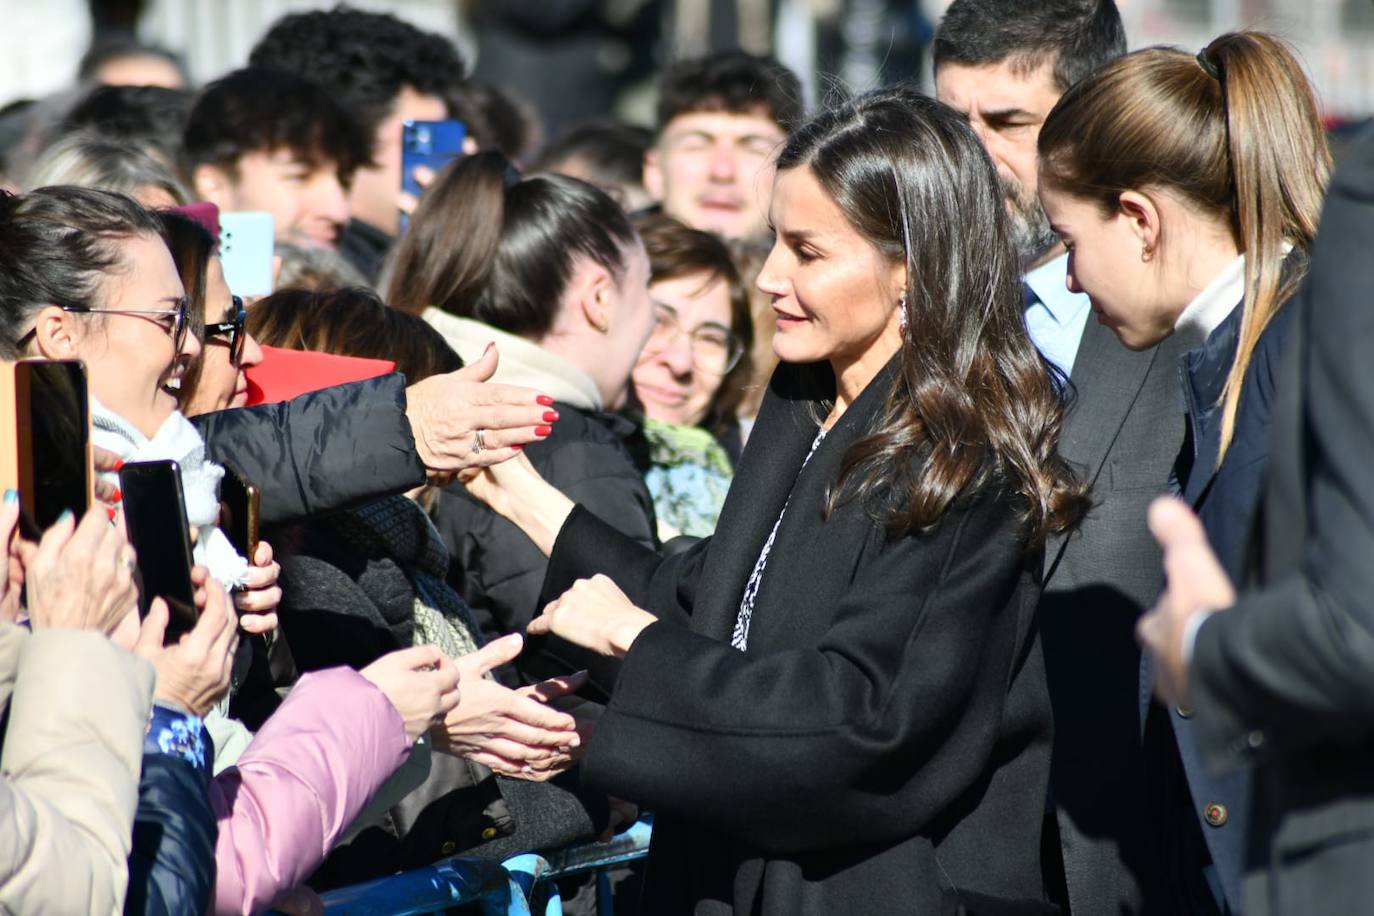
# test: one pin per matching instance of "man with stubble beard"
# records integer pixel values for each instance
(1004, 64)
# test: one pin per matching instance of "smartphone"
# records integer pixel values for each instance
(432, 144)
(240, 502)
(48, 458)
(155, 514)
(246, 244)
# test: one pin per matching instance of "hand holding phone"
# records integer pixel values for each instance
(240, 503)
(45, 449)
(432, 144)
(155, 515)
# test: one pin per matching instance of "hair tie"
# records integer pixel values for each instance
(1207, 66)
(511, 177)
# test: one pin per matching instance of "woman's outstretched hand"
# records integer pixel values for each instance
(511, 732)
(421, 682)
(596, 615)
(447, 411)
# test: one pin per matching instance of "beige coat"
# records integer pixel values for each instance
(72, 754)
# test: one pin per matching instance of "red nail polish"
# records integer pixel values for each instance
(550, 416)
(119, 464)
(118, 495)
(544, 400)
(109, 510)
(543, 430)
(518, 448)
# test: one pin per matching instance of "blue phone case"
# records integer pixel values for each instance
(432, 144)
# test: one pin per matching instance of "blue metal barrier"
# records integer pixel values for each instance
(502, 889)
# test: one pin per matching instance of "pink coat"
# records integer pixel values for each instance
(307, 774)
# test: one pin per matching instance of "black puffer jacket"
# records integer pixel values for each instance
(495, 566)
(324, 450)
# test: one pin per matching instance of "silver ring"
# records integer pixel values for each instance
(479, 442)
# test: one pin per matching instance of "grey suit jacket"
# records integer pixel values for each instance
(1123, 431)
(1285, 679)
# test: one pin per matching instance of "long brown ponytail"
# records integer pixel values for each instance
(1234, 130)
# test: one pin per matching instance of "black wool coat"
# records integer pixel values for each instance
(883, 745)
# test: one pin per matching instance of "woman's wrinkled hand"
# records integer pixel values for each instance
(421, 682)
(447, 411)
(193, 672)
(257, 601)
(80, 576)
(511, 732)
(596, 615)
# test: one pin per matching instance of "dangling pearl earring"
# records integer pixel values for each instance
(901, 312)
(1146, 253)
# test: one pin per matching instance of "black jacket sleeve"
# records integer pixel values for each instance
(172, 865)
(862, 738)
(324, 450)
(1289, 666)
(499, 570)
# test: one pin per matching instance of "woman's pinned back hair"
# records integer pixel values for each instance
(57, 244)
(1233, 130)
(488, 245)
(973, 404)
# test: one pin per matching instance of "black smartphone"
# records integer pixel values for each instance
(155, 514)
(53, 439)
(239, 503)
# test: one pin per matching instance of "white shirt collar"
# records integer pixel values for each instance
(1217, 300)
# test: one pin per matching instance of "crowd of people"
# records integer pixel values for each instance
(923, 504)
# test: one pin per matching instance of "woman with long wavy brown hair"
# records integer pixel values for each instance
(837, 703)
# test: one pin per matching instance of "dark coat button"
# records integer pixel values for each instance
(449, 848)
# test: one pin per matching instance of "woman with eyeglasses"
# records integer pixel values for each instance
(551, 271)
(86, 274)
(690, 377)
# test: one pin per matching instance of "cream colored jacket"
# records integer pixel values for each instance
(69, 769)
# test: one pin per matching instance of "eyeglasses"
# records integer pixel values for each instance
(715, 349)
(233, 330)
(174, 321)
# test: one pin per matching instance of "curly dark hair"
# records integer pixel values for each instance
(262, 110)
(364, 59)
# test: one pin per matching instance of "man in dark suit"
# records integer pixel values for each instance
(1005, 63)
(1281, 678)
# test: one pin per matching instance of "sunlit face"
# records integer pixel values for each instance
(221, 384)
(308, 203)
(693, 314)
(373, 196)
(1006, 109)
(1105, 262)
(131, 365)
(713, 170)
(834, 294)
(139, 70)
